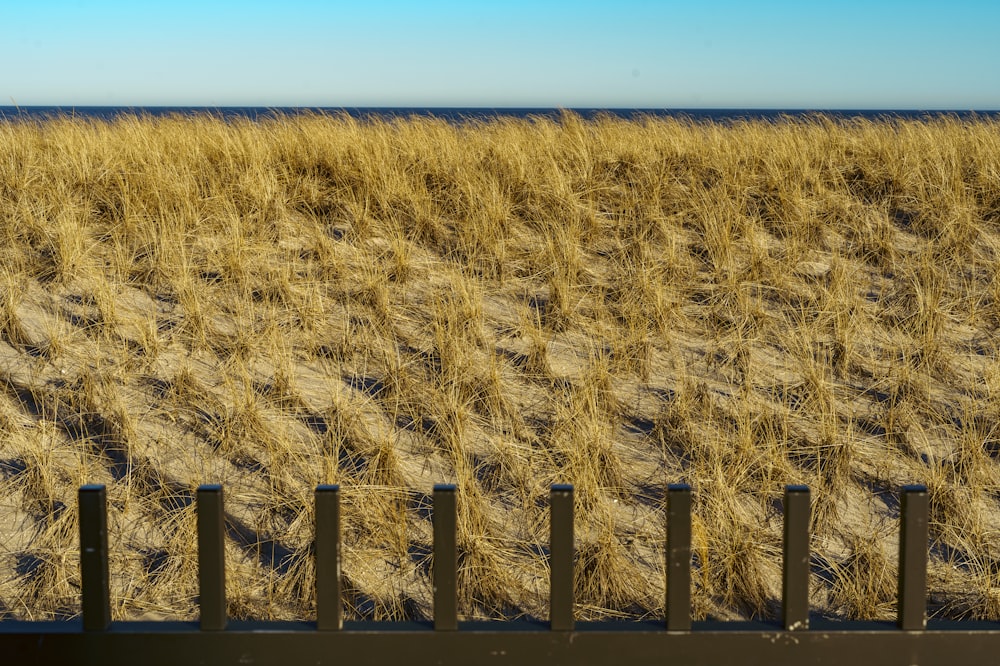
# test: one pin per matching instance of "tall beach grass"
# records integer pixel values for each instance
(501, 305)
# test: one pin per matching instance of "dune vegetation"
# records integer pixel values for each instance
(502, 305)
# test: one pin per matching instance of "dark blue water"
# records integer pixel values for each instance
(458, 114)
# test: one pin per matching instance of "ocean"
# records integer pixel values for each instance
(460, 114)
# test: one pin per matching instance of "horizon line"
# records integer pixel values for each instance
(493, 107)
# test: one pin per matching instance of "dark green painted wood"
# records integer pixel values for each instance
(329, 601)
(561, 558)
(89, 641)
(445, 559)
(795, 568)
(507, 644)
(912, 612)
(94, 577)
(679, 557)
(211, 558)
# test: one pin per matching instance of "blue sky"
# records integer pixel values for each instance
(626, 53)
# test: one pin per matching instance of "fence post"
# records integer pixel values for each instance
(678, 557)
(445, 559)
(561, 557)
(912, 610)
(96, 603)
(329, 605)
(795, 568)
(211, 558)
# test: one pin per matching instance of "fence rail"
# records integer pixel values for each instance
(214, 639)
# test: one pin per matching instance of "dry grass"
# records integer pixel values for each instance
(501, 305)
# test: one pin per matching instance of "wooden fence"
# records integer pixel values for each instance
(214, 639)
